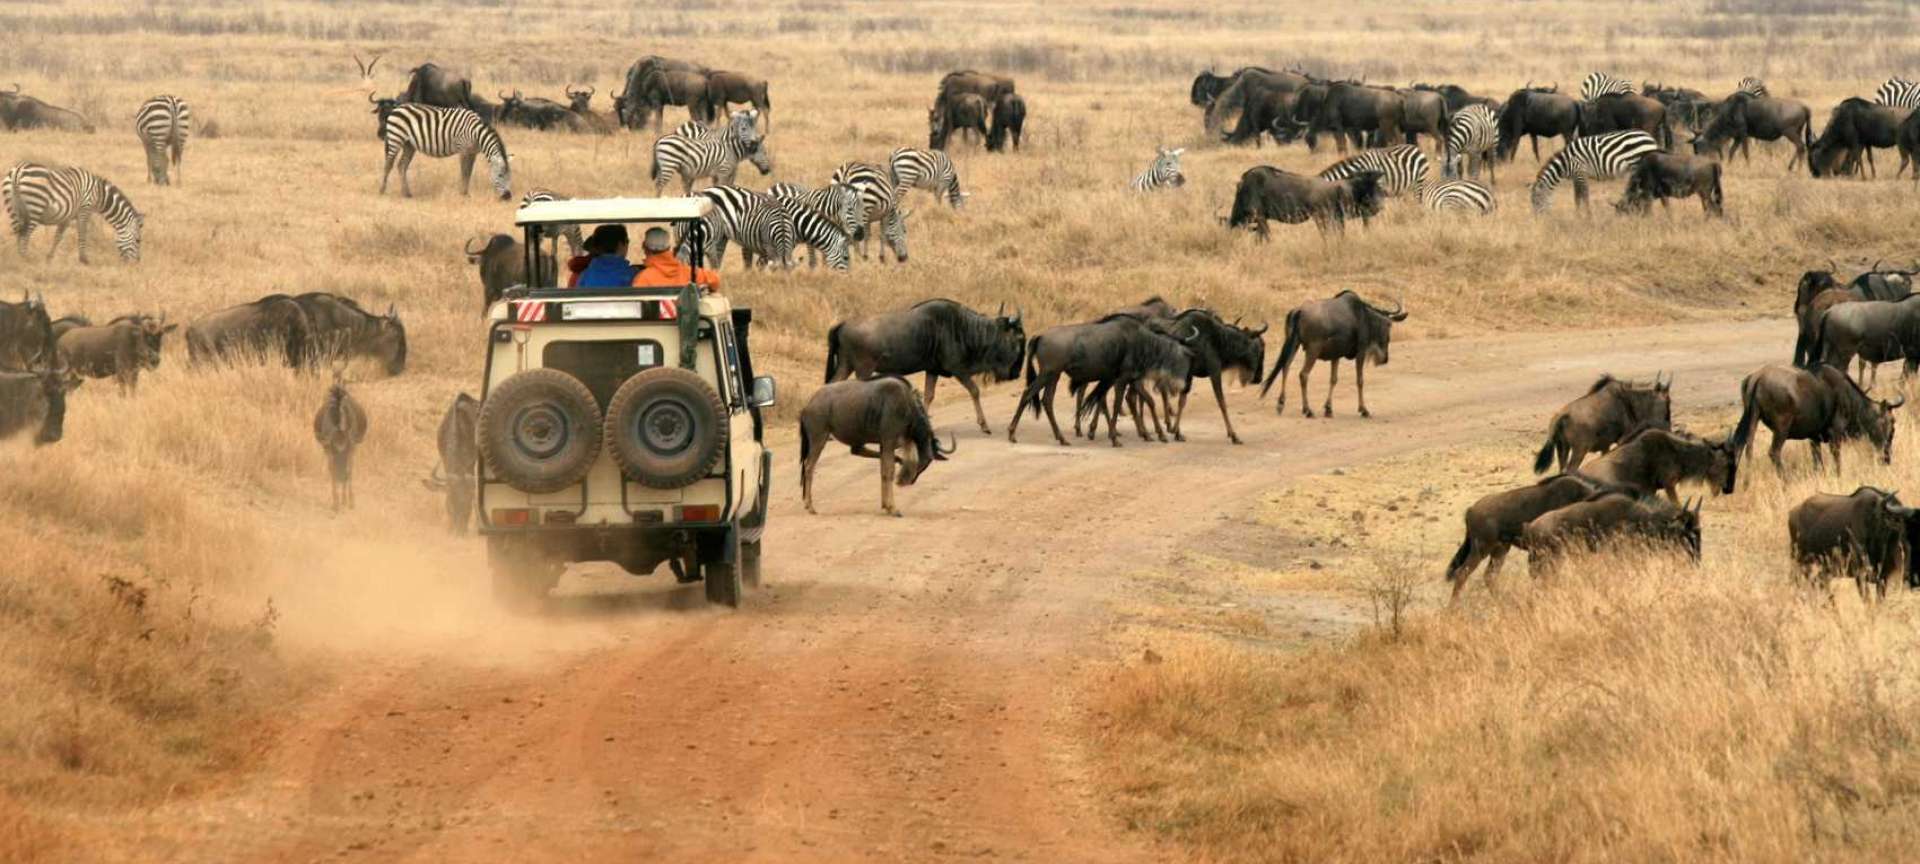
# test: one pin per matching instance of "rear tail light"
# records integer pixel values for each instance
(516, 516)
(697, 513)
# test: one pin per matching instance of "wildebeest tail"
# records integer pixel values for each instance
(805, 446)
(300, 346)
(1459, 559)
(833, 350)
(1544, 460)
(1743, 431)
(1033, 346)
(1287, 348)
(1817, 351)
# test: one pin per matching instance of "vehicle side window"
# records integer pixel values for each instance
(730, 349)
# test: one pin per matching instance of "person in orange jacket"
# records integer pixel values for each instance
(662, 270)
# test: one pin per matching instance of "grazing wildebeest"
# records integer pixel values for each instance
(340, 425)
(961, 112)
(341, 330)
(663, 87)
(1424, 112)
(1361, 112)
(988, 86)
(273, 322)
(35, 400)
(1114, 352)
(1343, 327)
(1273, 113)
(503, 264)
(1862, 536)
(628, 104)
(1600, 523)
(459, 456)
(1266, 192)
(1536, 114)
(1619, 112)
(1742, 118)
(1663, 176)
(1009, 118)
(26, 333)
(1611, 411)
(1246, 87)
(1494, 522)
(938, 337)
(883, 413)
(1818, 405)
(1876, 331)
(725, 88)
(1856, 126)
(1655, 460)
(119, 349)
(19, 111)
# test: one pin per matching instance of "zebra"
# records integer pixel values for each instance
(835, 206)
(575, 245)
(59, 196)
(1460, 195)
(163, 124)
(1595, 157)
(1752, 87)
(1403, 168)
(1899, 93)
(1164, 173)
(879, 202)
(716, 155)
(761, 224)
(822, 236)
(1600, 84)
(441, 132)
(1472, 135)
(931, 170)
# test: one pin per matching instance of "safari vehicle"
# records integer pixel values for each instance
(619, 424)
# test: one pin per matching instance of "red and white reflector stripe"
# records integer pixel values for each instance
(528, 313)
(669, 310)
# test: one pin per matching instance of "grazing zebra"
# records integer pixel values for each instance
(441, 132)
(1458, 195)
(1752, 87)
(575, 245)
(163, 123)
(761, 224)
(927, 169)
(835, 206)
(61, 197)
(1596, 157)
(1164, 173)
(715, 154)
(1898, 92)
(1600, 84)
(879, 202)
(1472, 135)
(1403, 168)
(822, 236)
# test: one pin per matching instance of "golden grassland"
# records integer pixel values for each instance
(205, 492)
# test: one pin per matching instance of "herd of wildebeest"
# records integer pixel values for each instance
(1140, 361)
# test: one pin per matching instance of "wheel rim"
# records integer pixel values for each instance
(541, 431)
(664, 427)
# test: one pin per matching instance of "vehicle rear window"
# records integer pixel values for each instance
(603, 366)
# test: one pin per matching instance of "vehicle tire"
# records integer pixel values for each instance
(722, 578)
(540, 431)
(666, 428)
(521, 578)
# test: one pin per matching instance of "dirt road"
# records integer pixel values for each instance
(902, 689)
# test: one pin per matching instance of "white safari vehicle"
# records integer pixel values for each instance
(619, 424)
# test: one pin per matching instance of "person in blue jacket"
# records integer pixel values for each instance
(609, 267)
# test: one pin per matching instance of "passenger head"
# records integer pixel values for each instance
(607, 240)
(656, 240)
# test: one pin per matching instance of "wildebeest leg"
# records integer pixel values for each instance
(932, 379)
(973, 392)
(1459, 575)
(886, 480)
(1333, 379)
(1220, 396)
(1536, 146)
(1833, 446)
(1494, 563)
(808, 460)
(1053, 387)
(1360, 383)
(1306, 368)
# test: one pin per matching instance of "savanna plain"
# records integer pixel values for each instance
(1181, 651)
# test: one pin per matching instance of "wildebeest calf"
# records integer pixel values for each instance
(1611, 411)
(120, 349)
(340, 426)
(1343, 327)
(1863, 535)
(458, 455)
(1495, 521)
(881, 412)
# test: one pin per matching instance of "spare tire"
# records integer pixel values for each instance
(666, 428)
(540, 430)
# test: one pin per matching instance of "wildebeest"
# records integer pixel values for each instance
(119, 349)
(1275, 113)
(1247, 86)
(1654, 460)
(536, 112)
(1221, 347)
(35, 400)
(62, 324)
(941, 338)
(1742, 118)
(663, 87)
(988, 86)
(726, 88)
(959, 113)
(1342, 327)
(1619, 112)
(1360, 112)
(340, 425)
(1111, 354)
(26, 333)
(1495, 521)
(580, 102)
(1536, 114)
(1611, 411)
(879, 418)
(1856, 126)
(341, 330)
(1458, 97)
(1818, 292)
(1266, 192)
(1876, 331)
(432, 84)
(1862, 536)
(459, 456)
(1663, 176)
(1818, 405)
(1603, 521)
(1206, 88)
(1424, 112)
(503, 264)
(1684, 104)
(1907, 137)
(628, 104)
(1009, 118)
(20, 111)
(274, 322)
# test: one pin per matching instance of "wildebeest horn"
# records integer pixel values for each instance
(501, 95)
(1263, 329)
(1399, 312)
(468, 248)
(390, 312)
(952, 448)
(1002, 313)
(1896, 404)
(1876, 265)
(1018, 314)
(373, 97)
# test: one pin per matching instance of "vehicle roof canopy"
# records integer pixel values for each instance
(603, 210)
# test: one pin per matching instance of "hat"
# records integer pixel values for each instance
(606, 239)
(656, 241)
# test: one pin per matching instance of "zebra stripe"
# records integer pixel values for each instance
(715, 154)
(823, 238)
(1403, 168)
(1596, 157)
(68, 197)
(442, 132)
(163, 124)
(1472, 135)
(879, 202)
(1752, 87)
(571, 232)
(1899, 93)
(837, 206)
(1600, 84)
(1463, 196)
(1164, 173)
(927, 169)
(761, 225)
